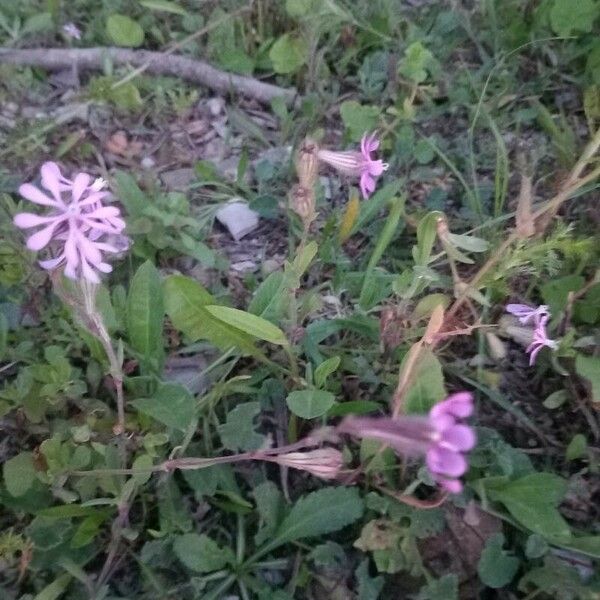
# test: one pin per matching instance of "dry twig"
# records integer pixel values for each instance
(158, 63)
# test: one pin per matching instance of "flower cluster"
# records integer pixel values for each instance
(360, 165)
(440, 436)
(539, 317)
(78, 226)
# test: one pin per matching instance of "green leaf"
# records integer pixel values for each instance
(567, 18)
(301, 8)
(536, 546)
(557, 579)
(270, 506)
(470, 243)
(124, 31)
(428, 384)
(270, 298)
(353, 407)
(359, 119)
(417, 62)
(426, 235)
(88, 529)
(577, 447)
(444, 588)
(3, 335)
(19, 474)
(556, 292)
(130, 194)
(556, 399)
(171, 404)
(145, 314)
(318, 513)
(496, 568)
(164, 6)
(325, 369)
(202, 554)
(587, 544)
(54, 590)
(238, 431)
(38, 22)
(368, 293)
(303, 258)
(309, 404)
(67, 511)
(532, 500)
(185, 302)
(288, 53)
(251, 324)
(369, 587)
(588, 367)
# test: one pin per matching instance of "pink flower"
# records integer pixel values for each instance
(72, 31)
(77, 223)
(525, 313)
(356, 164)
(540, 316)
(445, 457)
(540, 340)
(439, 436)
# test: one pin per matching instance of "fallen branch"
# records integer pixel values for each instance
(158, 63)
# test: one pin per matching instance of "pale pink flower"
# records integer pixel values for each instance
(440, 436)
(540, 316)
(540, 340)
(360, 165)
(526, 313)
(72, 31)
(77, 224)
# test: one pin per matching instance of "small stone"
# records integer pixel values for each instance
(238, 218)
(148, 163)
(244, 266)
(270, 265)
(215, 106)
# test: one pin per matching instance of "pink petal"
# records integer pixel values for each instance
(88, 272)
(80, 184)
(105, 226)
(31, 193)
(88, 249)
(71, 271)
(535, 349)
(93, 198)
(106, 247)
(459, 405)
(103, 212)
(27, 220)
(459, 438)
(446, 462)
(51, 179)
(454, 486)
(40, 239)
(376, 168)
(51, 263)
(519, 310)
(104, 267)
(71, 253)
(367, 184)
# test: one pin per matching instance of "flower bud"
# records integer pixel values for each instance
(323, 462)
(307, 163)
(302, 202)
